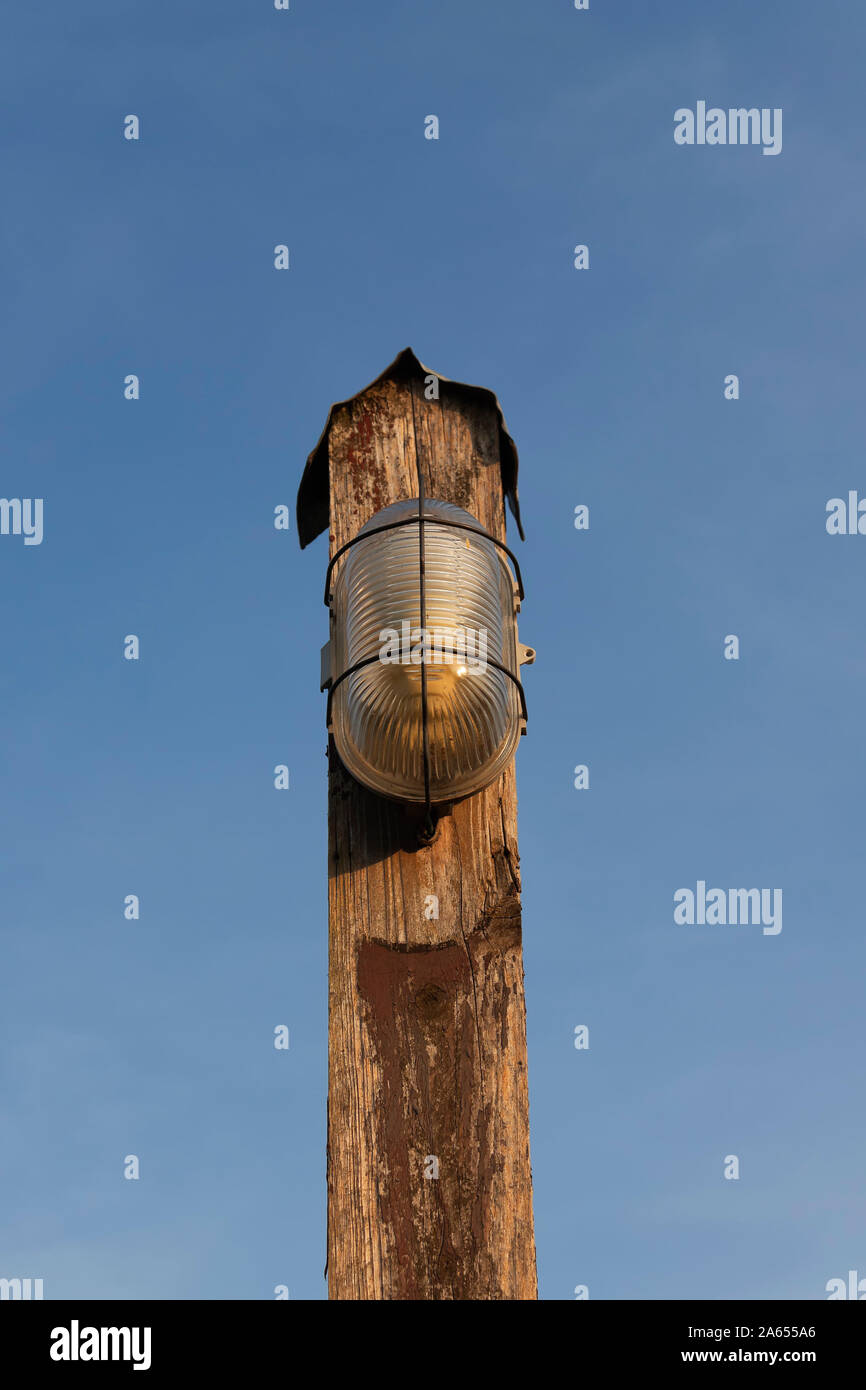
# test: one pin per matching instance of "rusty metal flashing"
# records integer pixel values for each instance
(312, 512)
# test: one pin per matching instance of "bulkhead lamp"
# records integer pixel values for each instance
(422, 669)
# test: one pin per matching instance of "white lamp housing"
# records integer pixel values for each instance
(432, 710)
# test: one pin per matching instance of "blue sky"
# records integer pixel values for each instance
(707, 518)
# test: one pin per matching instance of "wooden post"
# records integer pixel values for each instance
(427, 1026)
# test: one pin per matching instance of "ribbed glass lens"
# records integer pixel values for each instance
(473, 710)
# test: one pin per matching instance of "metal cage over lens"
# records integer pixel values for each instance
(425, 701)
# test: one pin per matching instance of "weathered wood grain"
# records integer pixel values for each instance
(427, 1030)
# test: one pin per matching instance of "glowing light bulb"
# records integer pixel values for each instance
(475, 712)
